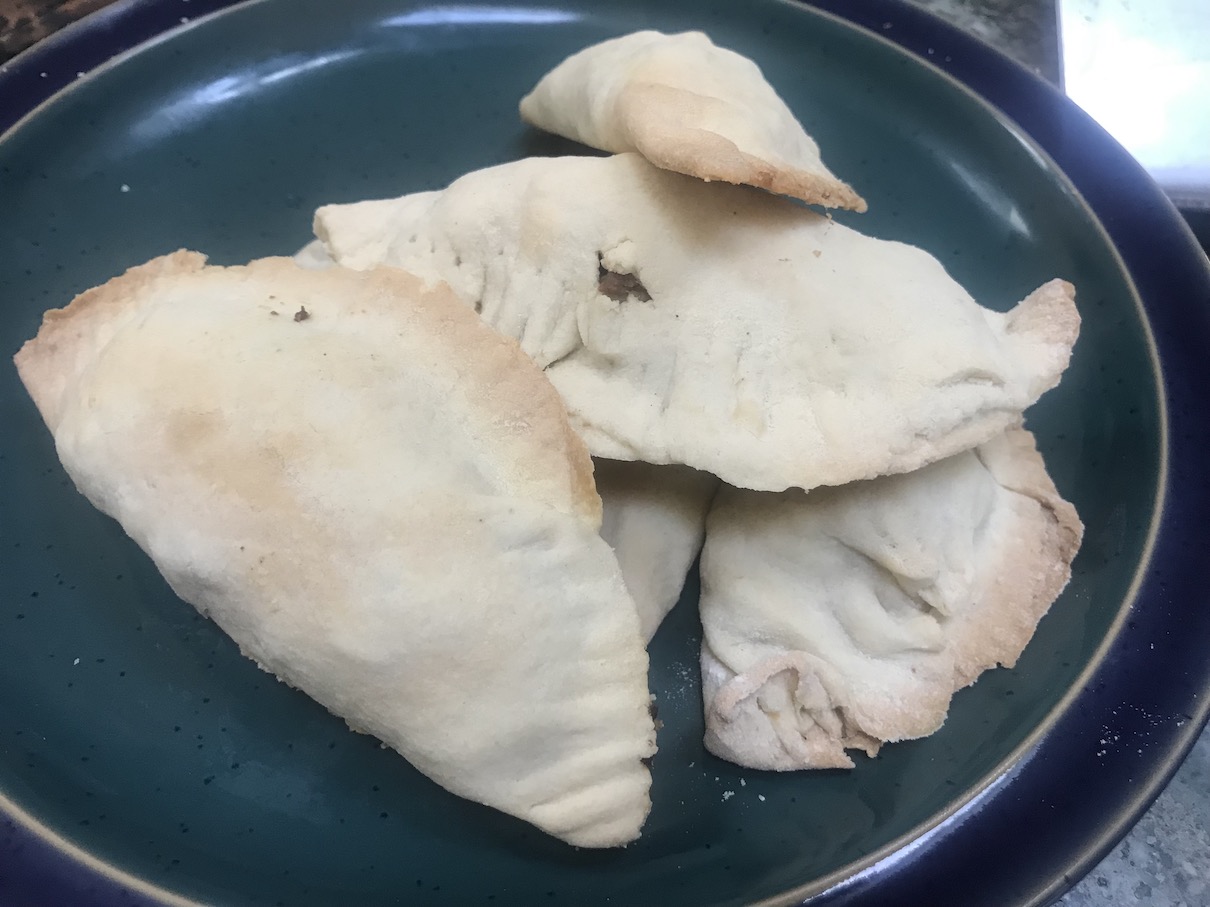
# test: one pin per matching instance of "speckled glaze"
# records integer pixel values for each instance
(142, 760)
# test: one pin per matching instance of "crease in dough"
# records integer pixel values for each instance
(382, 502)
(769, 345)
(653, 517)
(847, 617)
(688, 106)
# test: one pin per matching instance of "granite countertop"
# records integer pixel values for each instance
(1165, 860)
(24, 22)
(1027, 30)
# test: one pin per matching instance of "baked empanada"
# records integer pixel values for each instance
(846, 617)
(718, 326)
(654, 518)
(689, 106)
(381, 501)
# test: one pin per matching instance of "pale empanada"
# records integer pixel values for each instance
(689, 106)
(382, 502)
(718, 326)
(653, 517)
(846, 617)
(655, 520)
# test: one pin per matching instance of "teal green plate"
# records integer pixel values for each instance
(138, 747)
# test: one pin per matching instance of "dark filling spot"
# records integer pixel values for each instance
(646, 760)
(620, 287)
(302, 314)
(654, 710)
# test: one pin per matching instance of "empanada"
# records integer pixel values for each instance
(718, 326)
(381, 500)
(689, 106)
(654, 518)
(845, 617)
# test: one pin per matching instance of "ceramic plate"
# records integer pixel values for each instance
(142, 760)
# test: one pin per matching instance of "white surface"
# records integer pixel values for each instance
(1142, 70)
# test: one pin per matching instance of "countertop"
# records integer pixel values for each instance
(1165, 860)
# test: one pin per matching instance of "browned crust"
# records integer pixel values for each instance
(739, 730)
(510, 385)
(70, 337)
(1048, 315)
(1044, 326)
(662, 127)
(1031, 570)
(1018, 584)
(1046, 323)
(741, 168)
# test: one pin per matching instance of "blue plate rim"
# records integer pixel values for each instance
(947, 851)
(953, 853)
